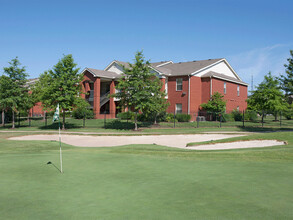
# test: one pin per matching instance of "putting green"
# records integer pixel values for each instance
(145, 182)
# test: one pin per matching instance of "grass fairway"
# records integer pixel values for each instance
(145, 182)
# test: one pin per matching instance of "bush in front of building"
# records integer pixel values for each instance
(227, 117)
(145, 117)
(169, 117)
(80, 113)
(288, 114)
(250, 116)
(237, 115)
(183, 117)
(126, 115)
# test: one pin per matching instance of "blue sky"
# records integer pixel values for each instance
(254, 36)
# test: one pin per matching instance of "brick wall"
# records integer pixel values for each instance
(37, 110)
(205, 90)
(195, 94)
(233, 100)
(177, 97)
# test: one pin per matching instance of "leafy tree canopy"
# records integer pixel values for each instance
(61, 85)
(14, 94)
(140, 89)
(287, 78)
(216, 103)
(267, 96)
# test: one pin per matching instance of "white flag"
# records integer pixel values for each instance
(56, 114)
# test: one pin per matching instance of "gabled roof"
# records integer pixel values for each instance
(186, 68)
(161, 63)
(169, 68)
(125, 64)
(32, 81)
(102, 73)
(153, 65)
(224, 77)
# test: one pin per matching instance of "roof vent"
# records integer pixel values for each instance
(194, 61)
(179, 62)
(210, 59)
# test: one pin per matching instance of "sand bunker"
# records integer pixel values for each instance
(238, 145)
(178, 141)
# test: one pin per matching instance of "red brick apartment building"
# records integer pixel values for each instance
(187, 84)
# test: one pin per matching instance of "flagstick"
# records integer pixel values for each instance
(60, 149)
(57, 115)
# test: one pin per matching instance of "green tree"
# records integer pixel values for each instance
(267, 97)
(158, 102)
(286, 80)
(14, 94)
(216, 104)
(139, 89)
(5, 87)
(61, 85)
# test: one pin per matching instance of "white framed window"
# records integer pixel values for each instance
(179, 85)
(166, 86)
(237, 108)
(225, 88)
(178, 108)
(238, 90)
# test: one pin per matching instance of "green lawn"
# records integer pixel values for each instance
(145, 182)
(110, 125)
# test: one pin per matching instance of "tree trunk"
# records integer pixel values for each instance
(155, 119)
(276, 116)
(135, 122)
(13, 120)
(3, 117)
(63, 124)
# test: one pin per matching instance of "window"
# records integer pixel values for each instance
(179, 84)
(237, 108)
(166, 86)
(225, 88)
(178, 108)
(238, 90)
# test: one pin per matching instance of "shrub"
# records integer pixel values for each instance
(162, 116)
(183, 117)
(79, 113)
(237, 115)
(227, 117)
(169, 117)
(145, 117)
(126, 115)
(250, 115)
(288, 114)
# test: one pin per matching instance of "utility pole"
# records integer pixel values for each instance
(252, 83)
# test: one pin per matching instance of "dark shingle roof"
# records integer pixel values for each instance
(223, 76)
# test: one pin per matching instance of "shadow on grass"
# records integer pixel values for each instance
(55, 126)
(124, 125)
(264, 129)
